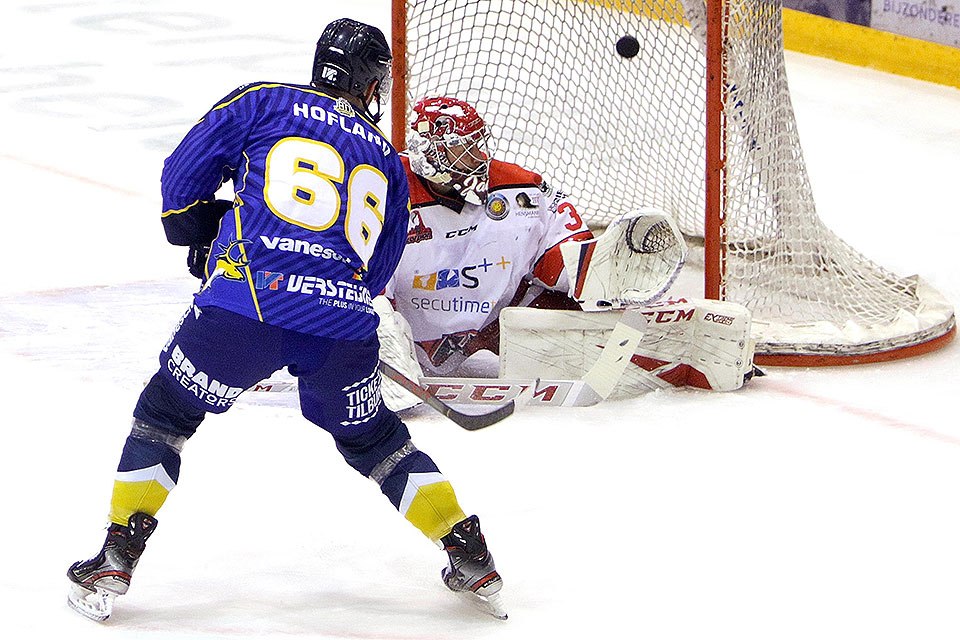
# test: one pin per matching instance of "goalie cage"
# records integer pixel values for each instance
(704, 131)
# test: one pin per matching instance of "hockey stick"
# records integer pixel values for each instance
(470, 422)
(594, 387)
(621, 345)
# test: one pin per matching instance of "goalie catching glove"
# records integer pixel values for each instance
(632, 264)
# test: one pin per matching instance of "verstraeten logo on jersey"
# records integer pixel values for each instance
(338, 293)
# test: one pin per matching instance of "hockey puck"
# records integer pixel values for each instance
(628, 46)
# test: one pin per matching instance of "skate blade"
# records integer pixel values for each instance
(96, 605)
(491, 605)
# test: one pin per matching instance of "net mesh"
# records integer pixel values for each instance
(626, 132)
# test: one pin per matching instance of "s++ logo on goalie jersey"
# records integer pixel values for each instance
(456, 277)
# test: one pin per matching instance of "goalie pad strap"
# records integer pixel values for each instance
(616, 354)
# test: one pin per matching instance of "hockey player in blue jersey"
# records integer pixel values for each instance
(316, 228)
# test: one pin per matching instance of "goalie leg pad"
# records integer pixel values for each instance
(703, 343)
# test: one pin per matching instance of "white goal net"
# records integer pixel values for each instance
(621, 132)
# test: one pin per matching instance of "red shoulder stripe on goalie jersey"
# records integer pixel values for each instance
(505, 174)
(548, 267)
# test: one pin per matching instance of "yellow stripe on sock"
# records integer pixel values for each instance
(140, 491)
(430, 504)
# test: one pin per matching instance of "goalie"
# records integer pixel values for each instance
(487, 235)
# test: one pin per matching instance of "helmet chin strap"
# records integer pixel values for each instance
(371, 96)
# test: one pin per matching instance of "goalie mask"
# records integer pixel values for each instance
(449, 145)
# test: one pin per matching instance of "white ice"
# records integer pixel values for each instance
(810, 504)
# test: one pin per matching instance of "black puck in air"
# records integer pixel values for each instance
(628, 47)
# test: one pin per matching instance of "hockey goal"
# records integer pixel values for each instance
(632, 103)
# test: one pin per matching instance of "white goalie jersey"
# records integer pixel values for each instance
(463, 263)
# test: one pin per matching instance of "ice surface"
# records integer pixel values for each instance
(810, 504)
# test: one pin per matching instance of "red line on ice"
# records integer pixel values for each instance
(872, 416)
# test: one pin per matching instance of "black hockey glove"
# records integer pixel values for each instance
(197, 260)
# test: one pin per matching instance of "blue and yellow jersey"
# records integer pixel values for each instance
(320, 215)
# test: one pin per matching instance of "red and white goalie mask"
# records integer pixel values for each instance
(448, 144)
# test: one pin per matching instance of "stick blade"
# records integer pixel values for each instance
(475, 422)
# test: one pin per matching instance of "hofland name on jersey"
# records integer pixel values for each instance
(313, 112)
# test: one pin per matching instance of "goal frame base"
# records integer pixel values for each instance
(835, 360)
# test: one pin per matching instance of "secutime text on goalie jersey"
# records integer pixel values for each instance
(320, 214)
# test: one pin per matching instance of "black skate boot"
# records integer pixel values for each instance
(96, 582)
(471, 570)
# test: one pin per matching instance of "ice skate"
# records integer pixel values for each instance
(98, 581)
(471, 571)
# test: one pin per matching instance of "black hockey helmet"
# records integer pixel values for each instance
(350, 57)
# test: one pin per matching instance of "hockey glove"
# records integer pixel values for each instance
(197, 260)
